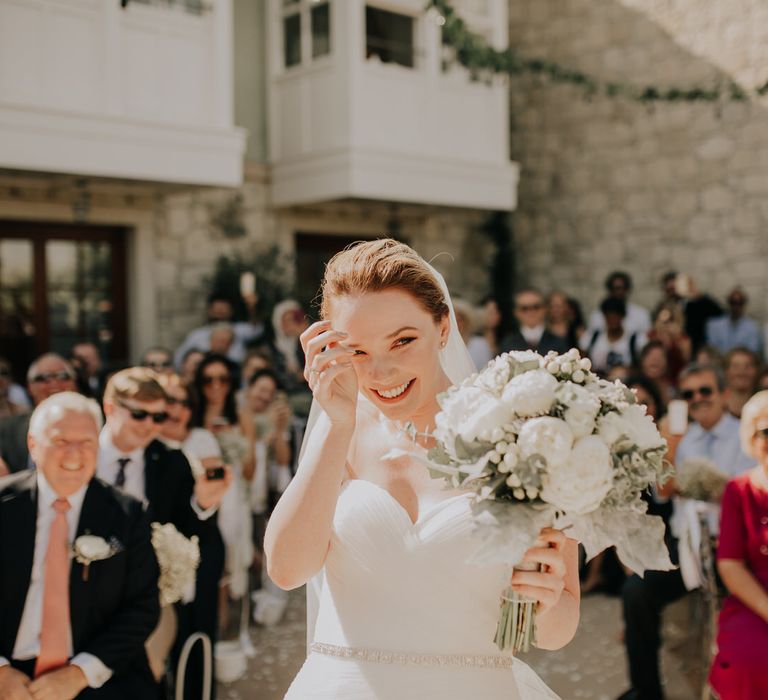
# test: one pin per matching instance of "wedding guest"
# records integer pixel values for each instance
(738, 670)
(698, 309)
(714, 434)
(70, 629)
(614, 344)
(49, 374)
(287, 358)
(222, 310)
(468, 322)
(88, 357)
(709, 355)
(271, 414)
(652, 364)
(670, 297)
(132, 457)
(222, 338)
(202, 450)
(189, 364)
(734, 329)
(531, 332)
(668, 329)
(159, 359)
(742, 369)
(7, 406)
(494, 325)
(564, 318)
(636, 318)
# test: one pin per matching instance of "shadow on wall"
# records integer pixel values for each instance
(609, 183)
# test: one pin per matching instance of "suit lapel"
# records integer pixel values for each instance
(151, 473)
(95, 519)
(19, 525)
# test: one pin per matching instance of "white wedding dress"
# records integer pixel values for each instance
(405, 589)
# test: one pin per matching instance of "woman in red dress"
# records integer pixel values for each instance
(739, 669)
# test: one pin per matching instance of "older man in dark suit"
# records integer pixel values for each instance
(531, 332)
(73, 627)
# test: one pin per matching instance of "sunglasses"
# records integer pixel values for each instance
(178, 402)
(50, 376)
(762, 433)
(159, 365)
(705, 391)
(530, 307)
(139, 414)
(220, 378)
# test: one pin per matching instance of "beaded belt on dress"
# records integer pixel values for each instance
(406, 659)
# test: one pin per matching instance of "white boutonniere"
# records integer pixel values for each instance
(90, 548)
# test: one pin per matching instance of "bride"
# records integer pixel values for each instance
(395, 609)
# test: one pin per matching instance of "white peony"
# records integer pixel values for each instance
(581, 409)
(549, 437)
(579, 485)
(469, 412)
(633, 424)
(531, 393)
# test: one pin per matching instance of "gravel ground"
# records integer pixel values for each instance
(591, 667)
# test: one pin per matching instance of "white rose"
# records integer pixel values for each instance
(549, 437)
(92, 548)
(633, 424)
(531, 393)
(581, 410)
(579, 485)
(525, 356)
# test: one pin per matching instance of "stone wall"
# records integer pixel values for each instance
(610, 184)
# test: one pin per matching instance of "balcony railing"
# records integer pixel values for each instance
(194, 7)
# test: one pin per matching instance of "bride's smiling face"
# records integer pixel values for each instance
(397, 344)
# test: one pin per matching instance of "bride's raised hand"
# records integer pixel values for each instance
(329, 372)
(547, 585)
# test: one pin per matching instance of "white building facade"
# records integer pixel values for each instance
(141, 141)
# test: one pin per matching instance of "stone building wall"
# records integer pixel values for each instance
(611, 184)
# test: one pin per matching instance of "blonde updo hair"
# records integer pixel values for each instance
(373, 266)
(754, 408)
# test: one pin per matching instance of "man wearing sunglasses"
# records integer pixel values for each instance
(531, 332)
(132, 458)
(712, 434)
(49, 374)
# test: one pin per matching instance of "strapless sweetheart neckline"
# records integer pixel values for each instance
(425, 510)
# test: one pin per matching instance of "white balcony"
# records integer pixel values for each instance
(142, 92)
(357, 114)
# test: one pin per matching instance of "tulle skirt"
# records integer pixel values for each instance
(329, 678)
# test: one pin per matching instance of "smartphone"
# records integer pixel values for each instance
(214, 473)
(677, 411)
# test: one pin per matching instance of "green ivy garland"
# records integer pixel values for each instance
(473, 52)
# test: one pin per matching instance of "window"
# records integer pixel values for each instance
(306, 31)
(389, 37)
(61, 284)
(292, 40)
(321, 30)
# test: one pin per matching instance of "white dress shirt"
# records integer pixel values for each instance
(28, 637)
(107, 467)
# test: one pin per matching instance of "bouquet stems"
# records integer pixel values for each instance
(516, 629)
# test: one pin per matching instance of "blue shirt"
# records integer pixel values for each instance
(726, 334)
(721, 444)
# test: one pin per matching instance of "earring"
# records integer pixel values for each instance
(442, 345)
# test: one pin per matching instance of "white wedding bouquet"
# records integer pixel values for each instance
(544, 442)
(178, 557)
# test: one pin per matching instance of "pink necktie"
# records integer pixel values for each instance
(54, 633)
